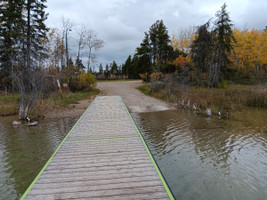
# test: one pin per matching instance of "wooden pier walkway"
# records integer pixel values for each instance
(103, 157)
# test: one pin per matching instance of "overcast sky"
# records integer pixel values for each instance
(122, 23)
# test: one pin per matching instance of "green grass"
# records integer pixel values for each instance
(9, 98)
(72, 98)
(144, 89)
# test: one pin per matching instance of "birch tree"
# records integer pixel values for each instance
(93, 44)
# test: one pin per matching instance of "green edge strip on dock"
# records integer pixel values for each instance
(88, 140)
(151, 157)
(42, 170)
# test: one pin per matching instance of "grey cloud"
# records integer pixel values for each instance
(122, 23)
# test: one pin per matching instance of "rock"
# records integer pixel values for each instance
(34, 123)
(219, 113)
(208, 111)
(16, 123)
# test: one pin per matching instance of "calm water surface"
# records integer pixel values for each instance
(209, 158)
(201, 158)
(25, 150)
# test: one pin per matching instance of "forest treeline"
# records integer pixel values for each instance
(207, 55)
(33, 57)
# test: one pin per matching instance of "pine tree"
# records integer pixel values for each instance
(126, 66)
(79, 64)
(32, 43)
(11, 28)
(160, 43)
(106, 72)
(35, 31)
(201, 48)
(114, 68)
(101, 71)
(132, 71)
(224, 41)
(144, 53)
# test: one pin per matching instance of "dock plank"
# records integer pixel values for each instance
(103, 157)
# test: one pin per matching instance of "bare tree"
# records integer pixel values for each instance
(185, 38)
(93, 44)
(30, 82)
(66, 26)
(55, 48)
(82, 36)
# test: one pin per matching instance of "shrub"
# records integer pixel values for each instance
(156, 76)
(83, 82)
(145, 77)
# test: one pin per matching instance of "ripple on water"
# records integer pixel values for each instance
(209, 159)
(24, 151)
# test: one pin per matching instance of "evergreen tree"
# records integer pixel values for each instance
(106, 73)
(79, 64)
(126, 66)
(101, 71)
(160, 43)
(144, 53)
(119, 70)
(224, 41)
(11, 28)
(35, 31)
(114, 68)
(201, 48)
(132, 71)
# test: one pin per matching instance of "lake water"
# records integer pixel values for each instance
(200, 157)
(24, 151)
(209, 158)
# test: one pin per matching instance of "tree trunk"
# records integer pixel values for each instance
(28, 34)
(21, 106)
(89, 59)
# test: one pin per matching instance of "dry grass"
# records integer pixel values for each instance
(224, 100)
(9, 104)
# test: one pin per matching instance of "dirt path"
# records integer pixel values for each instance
(135, 100)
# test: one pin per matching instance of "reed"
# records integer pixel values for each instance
(224, 100)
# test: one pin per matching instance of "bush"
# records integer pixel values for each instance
(156, 76)
(145, 77)
(83, 82)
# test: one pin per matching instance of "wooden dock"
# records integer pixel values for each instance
(103, 157)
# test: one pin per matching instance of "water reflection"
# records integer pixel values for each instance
(209, 158)
(24, 151)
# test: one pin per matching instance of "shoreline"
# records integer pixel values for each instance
(47, 109)
(72, 110)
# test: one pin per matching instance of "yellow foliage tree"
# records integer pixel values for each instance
(250, 50)
(183, 40)
(181, 61)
